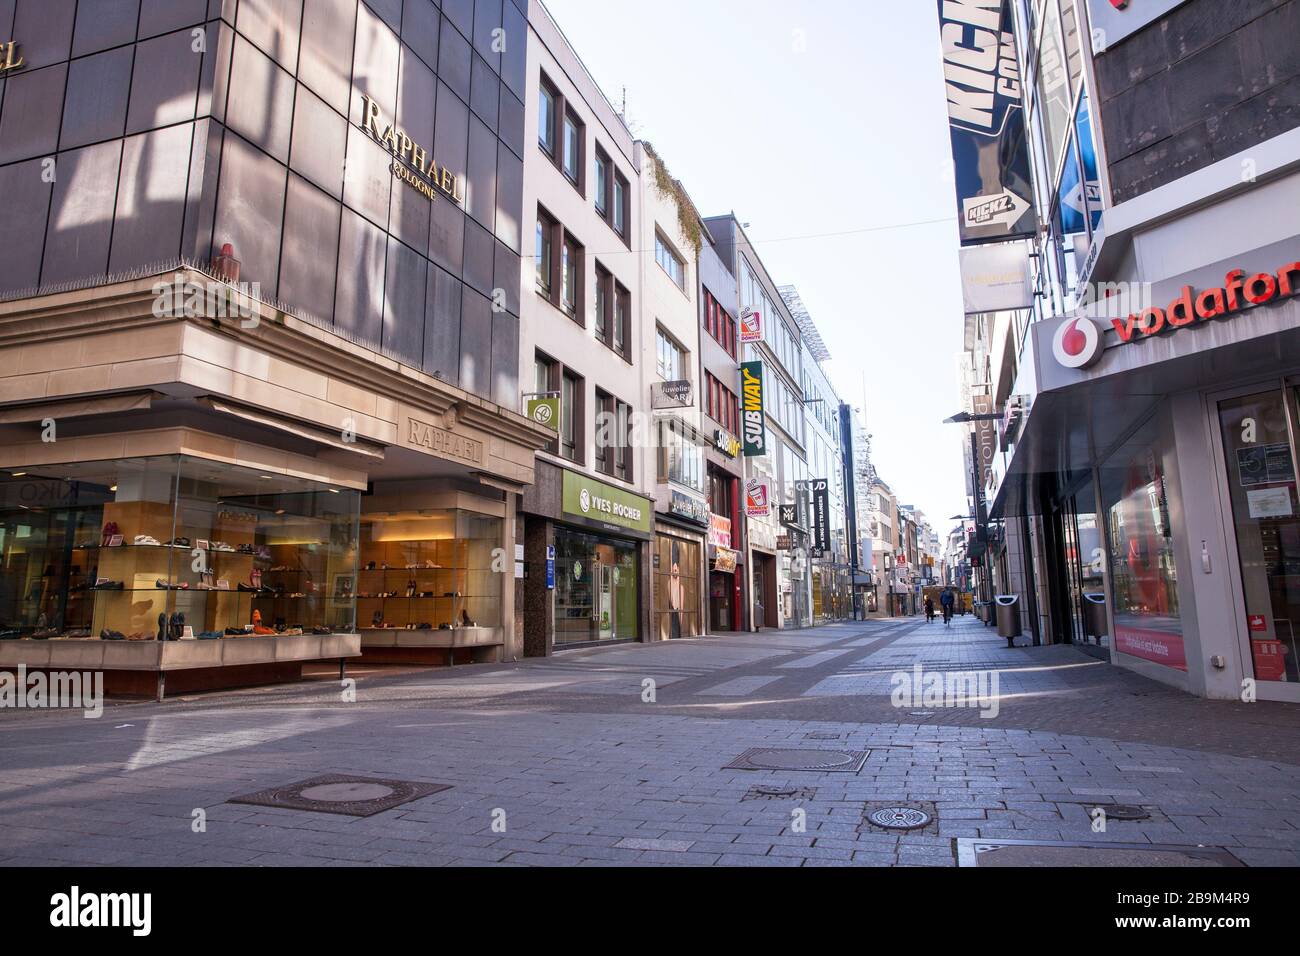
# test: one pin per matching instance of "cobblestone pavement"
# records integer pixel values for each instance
(620, 756)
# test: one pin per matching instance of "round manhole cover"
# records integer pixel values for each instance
(899, 818)
(1124, 811)
(802, 759)
(346, 792)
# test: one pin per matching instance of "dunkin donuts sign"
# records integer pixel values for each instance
(1080, 342)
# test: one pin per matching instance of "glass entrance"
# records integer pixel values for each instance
(1259, 447)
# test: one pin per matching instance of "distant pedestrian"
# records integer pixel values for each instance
(946, 601)
(929, 610)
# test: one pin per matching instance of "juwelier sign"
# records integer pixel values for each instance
(10, 59)
(413, 164)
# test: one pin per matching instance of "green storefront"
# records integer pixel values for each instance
(597, 561)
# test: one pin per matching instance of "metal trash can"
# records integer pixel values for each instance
(1094, 614)
(1008, 612)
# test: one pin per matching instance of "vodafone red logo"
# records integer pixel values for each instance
(1078, 343)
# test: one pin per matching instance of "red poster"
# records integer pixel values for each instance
(1270, 662)
(1257, 622)
(1159, 646)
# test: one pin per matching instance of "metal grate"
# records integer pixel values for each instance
(776, 758)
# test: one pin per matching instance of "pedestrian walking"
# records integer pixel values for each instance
(929, 610)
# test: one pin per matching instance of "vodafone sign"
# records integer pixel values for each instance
(1079, 342)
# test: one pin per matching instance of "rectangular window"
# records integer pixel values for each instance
(670, 262)
(671, 358)
(620, 204)
(572, 257)
(546, 104)
(604, 303)
(719, 324)
(681, 458)
(544, 253)
(546, 379)
(602, 184)
(622, 319)
(571, 417)
(613, 432)
(573, 136)
(722, 406)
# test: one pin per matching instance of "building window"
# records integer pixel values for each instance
(547, 101)
(613, 445)
(622, 320)
(570, 271)
(571, 164)
(671, 358)
(681, 459)
(546, 374)
(603, 183)
(604, 303)
(571, 417)
(670, 262)
(719, 323)
(619, 222)
(721, 405)
(546, 228)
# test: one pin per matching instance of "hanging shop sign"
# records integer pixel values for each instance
(1080, 342)
(758, 503)
(544, 409)
(753, 422)
(789, 516)
(594, 500)
(821, 514)
(675, 394)
(728, 444)
(995, 277)
(413, 164)
(690, 508)
(550, 567)
(719, 531)
(10, 58)
(986, 121)
(751, 324)
(725, 560)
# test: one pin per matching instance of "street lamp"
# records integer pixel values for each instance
(981, 523)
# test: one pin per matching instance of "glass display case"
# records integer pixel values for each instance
(174, 548)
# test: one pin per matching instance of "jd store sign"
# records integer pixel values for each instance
(594, 500)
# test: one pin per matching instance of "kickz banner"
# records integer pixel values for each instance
(986, 121)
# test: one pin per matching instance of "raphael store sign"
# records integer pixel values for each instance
(585, 497)
(443, 442)
(413, 164)
(9, 57)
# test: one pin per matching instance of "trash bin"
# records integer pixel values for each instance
(1094, 614)
(1008, 612)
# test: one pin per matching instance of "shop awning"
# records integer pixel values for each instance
(77, 408)
(301, 429)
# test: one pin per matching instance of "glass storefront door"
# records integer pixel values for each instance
(1258, 443)
(595, 588)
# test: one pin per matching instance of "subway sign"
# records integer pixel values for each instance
(1080, 342)
(753, 424)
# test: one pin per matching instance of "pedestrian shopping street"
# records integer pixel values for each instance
(621, 755)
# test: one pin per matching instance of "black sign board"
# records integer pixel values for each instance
(821, 514)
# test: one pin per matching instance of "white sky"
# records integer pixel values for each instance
(820, 119)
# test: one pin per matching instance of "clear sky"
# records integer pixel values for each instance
(823, 125)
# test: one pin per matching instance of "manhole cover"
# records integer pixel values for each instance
(821, 735)
(775, 758)
(920, 713)
(1123, 811)
(899, 818)
(779, 793)
(342, 794)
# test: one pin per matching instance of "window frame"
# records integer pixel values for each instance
(664, 248)
(577, 441)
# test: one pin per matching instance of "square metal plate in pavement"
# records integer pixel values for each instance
(820, 761)
(343, 794)
(994, 852)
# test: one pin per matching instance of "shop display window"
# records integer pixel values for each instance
(677, 587)
(430, 570)
(595, 588)
(173, 548)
